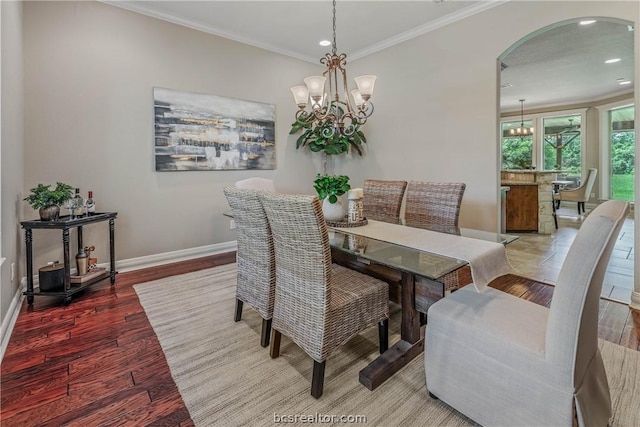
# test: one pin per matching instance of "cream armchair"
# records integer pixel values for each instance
(580, 194)
(502, 360)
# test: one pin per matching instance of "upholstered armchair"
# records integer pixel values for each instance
(580, 194)
(434, 205)
(256, 183)
(502, 360)
(255, 257)
(318, 305)
(383, 199)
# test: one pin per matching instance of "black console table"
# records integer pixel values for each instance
(65, 224)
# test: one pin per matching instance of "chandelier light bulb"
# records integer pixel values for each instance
(357, 98)
(365, 86)
(315, 84)
(300, 95)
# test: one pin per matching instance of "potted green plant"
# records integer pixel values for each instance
(48, 201)
(329, 188)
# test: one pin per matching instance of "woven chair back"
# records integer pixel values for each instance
(303, 267)
(433, 205)
(383, 199)
(255, 255)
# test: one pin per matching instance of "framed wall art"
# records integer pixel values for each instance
(195, 132)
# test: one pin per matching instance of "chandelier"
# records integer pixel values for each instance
(335, 114)
(522, 131)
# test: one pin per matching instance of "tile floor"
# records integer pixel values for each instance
(541, 256)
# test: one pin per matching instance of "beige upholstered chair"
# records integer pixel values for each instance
(434, 205)
(383, 199)
(255, 257)
(502, 360)
(319, 305)
(580, 194)
(256, 183)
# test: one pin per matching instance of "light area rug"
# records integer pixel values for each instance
(226, 378)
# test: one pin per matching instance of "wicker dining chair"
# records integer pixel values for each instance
(256, 183)
(318, 305)
(383, 199)
(255, 257)
(433, 205)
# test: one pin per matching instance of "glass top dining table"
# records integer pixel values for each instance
(403, 258)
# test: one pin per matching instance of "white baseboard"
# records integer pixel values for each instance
(122, 266)
(9, 320)
(175, 256)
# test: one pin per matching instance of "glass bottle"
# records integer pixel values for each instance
(91, 204)
(79, 202)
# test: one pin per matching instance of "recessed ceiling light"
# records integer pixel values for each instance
(506, 85)
(325, 43)
(625, 82)
(612, 60)
(587, 21)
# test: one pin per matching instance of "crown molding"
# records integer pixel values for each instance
(141, 9)
(392, 41)
(428, 27)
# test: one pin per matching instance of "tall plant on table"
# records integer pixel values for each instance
(329, 189)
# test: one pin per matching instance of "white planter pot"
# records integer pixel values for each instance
(332, 211)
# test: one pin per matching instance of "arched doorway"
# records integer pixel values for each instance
(555, 81)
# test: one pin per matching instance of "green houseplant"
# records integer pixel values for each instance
(331, 186)
(48, 200)
(321, 137)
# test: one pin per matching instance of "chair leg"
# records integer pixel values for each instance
(238, 314)
(274, 350)
(317, 381)
(578, 208)
(383, 333)
(423, 319)
(266, 332)
(553, 212)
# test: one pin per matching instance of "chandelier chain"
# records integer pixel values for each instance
(335, 48)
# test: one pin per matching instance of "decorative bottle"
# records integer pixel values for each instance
(79, 210)
(91, 204)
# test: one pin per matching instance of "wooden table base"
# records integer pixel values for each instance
(390, 362)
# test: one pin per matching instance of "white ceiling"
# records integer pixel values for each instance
(561, 66)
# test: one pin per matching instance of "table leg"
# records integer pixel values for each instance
(405, 350)
(67, 262)
(112, 250)
(28, 238)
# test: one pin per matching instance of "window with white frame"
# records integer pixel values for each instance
(556, 144)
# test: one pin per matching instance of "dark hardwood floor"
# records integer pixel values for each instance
(98, 361)
(94, 362)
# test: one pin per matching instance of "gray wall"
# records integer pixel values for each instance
(11, 146)
(89, 73)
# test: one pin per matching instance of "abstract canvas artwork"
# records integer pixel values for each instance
(205, 132)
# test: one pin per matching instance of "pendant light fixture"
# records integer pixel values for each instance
(333, 106)
(522, 131)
